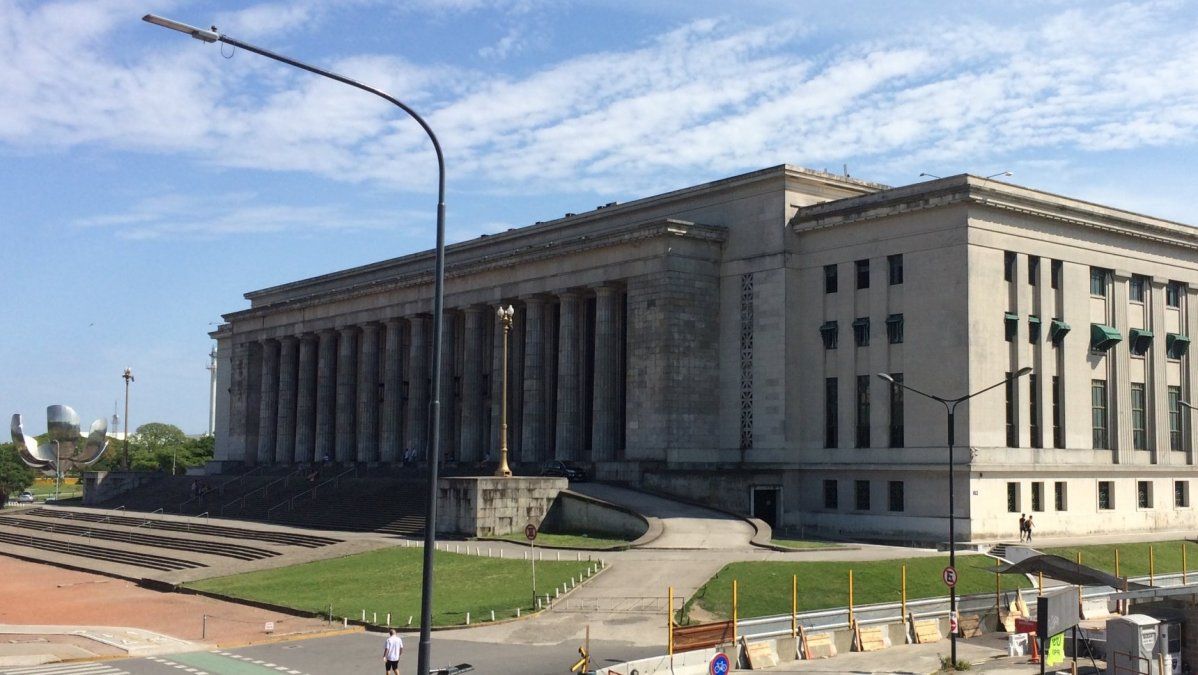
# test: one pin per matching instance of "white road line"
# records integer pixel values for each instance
(66, 669)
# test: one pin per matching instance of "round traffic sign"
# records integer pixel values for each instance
(950, 576)
(720, 665)
(530, 531)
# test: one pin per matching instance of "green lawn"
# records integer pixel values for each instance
(804, 544)
(388, 580)
(763, 588)
(1133, 558)
(580, 541)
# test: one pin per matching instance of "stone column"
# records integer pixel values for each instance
(268, 402)
(368, 394)
(239, 395)
(567, 378)
(392, 436)
(533, 429)
(326, 395)
(515, 391)
(285, 423)
(305, 404)
(418, 370)
(1118, 363)
(347, 352)
(470, 449)
(603, 431)
(448, 396)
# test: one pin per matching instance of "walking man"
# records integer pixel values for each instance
(392, 650)
(1022, 525)
(1028, 526)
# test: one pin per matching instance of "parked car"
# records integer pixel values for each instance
(25, 498)
(568, 470)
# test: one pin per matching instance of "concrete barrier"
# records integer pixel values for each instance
(685, 663)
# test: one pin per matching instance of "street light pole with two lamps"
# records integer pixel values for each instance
(950, 407)
(434, 454)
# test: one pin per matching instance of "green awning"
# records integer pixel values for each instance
(1103, 337)
(1010, 317)
(894, 318)
(1177, 345)
(1139, 332)
(827, 327)
(1033, 319)
(1139, 340)
(861, 323)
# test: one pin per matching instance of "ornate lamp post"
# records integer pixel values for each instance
(128, 377)
(505, 316)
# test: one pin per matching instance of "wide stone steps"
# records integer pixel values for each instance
(224, 531)
(227, 550)
(82, 550)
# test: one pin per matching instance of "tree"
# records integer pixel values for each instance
(157, 446)
(15, 475)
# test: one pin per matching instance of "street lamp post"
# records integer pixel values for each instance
(212, 392)
(128, 377)
(434, 456)
(505, 316)
(950, 407)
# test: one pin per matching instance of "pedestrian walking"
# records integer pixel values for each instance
(1022, 525)
(392, 650)
(1029, 526)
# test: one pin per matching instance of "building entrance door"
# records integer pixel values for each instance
(766, 501)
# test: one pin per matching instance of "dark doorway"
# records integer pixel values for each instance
(766, 501)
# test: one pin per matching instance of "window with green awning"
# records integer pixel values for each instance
(1176, 345)
(1057, 331)
(1103, 337)
(1139, 340)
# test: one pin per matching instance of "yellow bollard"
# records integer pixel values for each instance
(850, 597)
(794, 605)
(1041, 577)
(1151, 566)
(997, 591)
(734, 613)
(1116, 562)
(1183, 563)
(1079, 586)
(670, 623)
(904, 596)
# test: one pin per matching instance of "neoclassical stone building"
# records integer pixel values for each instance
(722, 342)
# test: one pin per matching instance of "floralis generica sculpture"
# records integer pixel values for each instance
(65, 448)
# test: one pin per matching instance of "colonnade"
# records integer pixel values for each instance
(361, 392)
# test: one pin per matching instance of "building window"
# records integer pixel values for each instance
(861, 331)
(1138, 341)
(862, 489)
(1103, 337)
(1175, 418)
(896, 495)
(831, 494)
(1058, 431)
(894, 329)
(1057, 331)
(1106, 495)
(863, 411)
(1139, 432)
(895, 264)
(1055, 274)
(1010, 326)
(1012, 497)
(1173, 294)
(1143, 494)
(1135, 288)
(1098, 277)
(1181, 494)
(829, 332)
(1033, 383)
(831, 406)
(1037, 496)
(1008, 266)
(1012, 432)
(1098, 409)
(1176, 345)
(896, 411)
(1059, 496)
(862, 274)
(1033, 270)
(830, 279)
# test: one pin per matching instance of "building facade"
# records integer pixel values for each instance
(722, 342)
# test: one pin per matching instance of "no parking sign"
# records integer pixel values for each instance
(719, 664)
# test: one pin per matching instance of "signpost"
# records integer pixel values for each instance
(720, 665)
(530, 531)
(950, 576)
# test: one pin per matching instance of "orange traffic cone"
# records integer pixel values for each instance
(1035, 647)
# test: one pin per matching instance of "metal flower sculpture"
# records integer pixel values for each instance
(65, 447)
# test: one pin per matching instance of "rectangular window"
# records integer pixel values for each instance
(1098, 408)
(1037, 496)
(830, 279)
(1143, 494)
(896, 495)
(1033, 329)
(894, 329)
(862, 274)
(861, 331)
(831, 494)
(862, 490)
(1033, 383)
(1058, 430)
(1106, 495)
(1059, 496)
(1181, 494)
(1139, 432)
(895, 263)
(1098, 278)
(829, 332)
(1033, 270)
(1010, 326)
(831, 406)
(1175, 418)
(1008, 266)
(863, 411)
(1055, 274)
(1012, 431)
(1012, 497)
(896, 412)
(1135, 288)
(1173, 294)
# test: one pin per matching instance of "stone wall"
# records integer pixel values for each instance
(578, 513)
(490, 506)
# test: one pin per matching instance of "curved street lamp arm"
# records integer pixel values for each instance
(895, 383)
(1013, 376)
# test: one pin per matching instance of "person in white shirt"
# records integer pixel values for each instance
(392, 650)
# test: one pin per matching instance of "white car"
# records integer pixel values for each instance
(25, 498)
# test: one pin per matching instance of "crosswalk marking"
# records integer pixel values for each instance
(65, 669)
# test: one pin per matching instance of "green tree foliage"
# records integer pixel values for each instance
(14, 474)
(155, 446)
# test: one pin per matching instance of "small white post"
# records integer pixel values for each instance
(363, 616)
(559, 556)
(388, 618)
(344, 622)
(374, 617)
(492, 615)
(578, 556)
(467, 618)
(409, 620)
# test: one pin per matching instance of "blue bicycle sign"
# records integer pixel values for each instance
(719, 665)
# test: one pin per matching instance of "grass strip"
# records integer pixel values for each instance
(579, 541)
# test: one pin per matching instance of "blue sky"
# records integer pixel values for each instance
(148, 179)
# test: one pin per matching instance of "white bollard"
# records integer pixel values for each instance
(559, 556)
(578, 556)
(492, 615)
(538, 603)
(467, 618)
(363, 616)
(517, 612)
(344, 622)
(388, 618)
(374, 618)
(409, 620)
(488, 551)
(556, 593)
(526, 555)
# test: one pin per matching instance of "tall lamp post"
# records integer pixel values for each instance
(950, 407)
(505, 316)
(430, 527)
(212, 392)
(128, 377)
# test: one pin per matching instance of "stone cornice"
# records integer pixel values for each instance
(972, 190)
(419, 272)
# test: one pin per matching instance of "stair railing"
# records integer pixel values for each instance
(239, 479)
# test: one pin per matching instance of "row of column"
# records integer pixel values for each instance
(361, 393)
